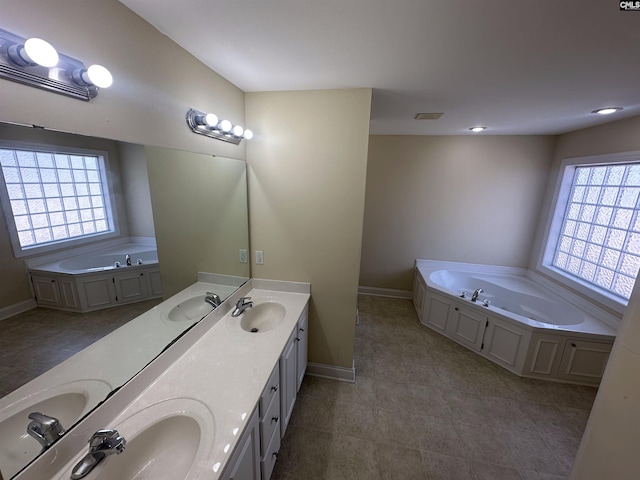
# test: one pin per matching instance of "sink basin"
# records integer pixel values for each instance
(68, 403)
(169, 439)
(190, 310)
(262, 317)
(164, 450)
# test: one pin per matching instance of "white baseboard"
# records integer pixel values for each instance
(16, 308)
(384, 292)
(330, 371)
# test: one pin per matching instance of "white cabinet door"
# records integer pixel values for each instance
(155, 284)
(545, 352)
(419, 293)
(98, 292)
(46, 290)
(467, 327)
(131, 286)
(584, 361)
(288, 382)
(506, 344)
(302, 347)
(435, 311)
(244, 464)
(69, 294)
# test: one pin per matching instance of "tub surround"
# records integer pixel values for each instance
(548, 337)
(84, 282)
(215, 374)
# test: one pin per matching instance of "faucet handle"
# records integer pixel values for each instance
(243, 301)
(107, 441)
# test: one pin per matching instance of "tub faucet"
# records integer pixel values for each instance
(474, 297)
(101, 444)
(44, 429)
(241, 306)
(213, 299)
(128, 259)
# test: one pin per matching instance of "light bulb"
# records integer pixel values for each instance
(237, 131)
(248, 134)
(211, 119)
(226, 126)
(99, 76)
(477, 129)
(41, 52)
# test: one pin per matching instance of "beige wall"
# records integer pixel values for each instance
(306, 182)
(155, 81)
(135, 186)
(457, 198)
(200, 214)
(609, 447)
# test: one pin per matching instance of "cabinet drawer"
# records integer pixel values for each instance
(269, 422)
(271, 455)
(271, 390)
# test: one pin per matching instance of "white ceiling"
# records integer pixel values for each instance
(515, 66)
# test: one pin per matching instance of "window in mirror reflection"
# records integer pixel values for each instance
(54, 196)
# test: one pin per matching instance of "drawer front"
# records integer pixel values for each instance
(269, 422)
(271, 455)
(271, 390)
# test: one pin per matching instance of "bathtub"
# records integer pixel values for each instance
(516, 322)
(100, 279)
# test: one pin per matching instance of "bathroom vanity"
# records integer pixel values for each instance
(219, 398)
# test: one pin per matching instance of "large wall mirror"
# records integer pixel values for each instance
(62, 363)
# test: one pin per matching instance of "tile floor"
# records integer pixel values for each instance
(423, 407)
(35, 341)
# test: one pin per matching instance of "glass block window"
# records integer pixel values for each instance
(55, 197)
(599, 241)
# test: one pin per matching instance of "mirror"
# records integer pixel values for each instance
(195, 208)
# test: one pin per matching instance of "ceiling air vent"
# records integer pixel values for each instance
(428, 116)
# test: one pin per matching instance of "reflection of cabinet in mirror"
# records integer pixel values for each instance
(94, 292)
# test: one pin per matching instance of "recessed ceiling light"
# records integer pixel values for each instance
(477, 129)
(607, 111)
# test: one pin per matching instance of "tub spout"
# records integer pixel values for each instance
(474, 297)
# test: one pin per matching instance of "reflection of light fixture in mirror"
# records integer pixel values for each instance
(208, 124)
(607, 110)
(36, 63)
(477, 129)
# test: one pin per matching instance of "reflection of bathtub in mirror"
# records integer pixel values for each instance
(75, 386)
(100, 279)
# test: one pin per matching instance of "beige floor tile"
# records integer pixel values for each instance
(354, 459)
(397, 463)
(444, 467)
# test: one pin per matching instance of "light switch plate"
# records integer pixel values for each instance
(243, 256)
(259, 257)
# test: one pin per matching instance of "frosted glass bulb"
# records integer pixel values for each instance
(248, 134)
(237, 131)
(41, 52)
(477, 129)
(99, 76)
(211, 119)
(226, 126)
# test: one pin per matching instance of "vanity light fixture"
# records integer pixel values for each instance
(477, 129)
(35, 62)
(607, 110)
(210, 125)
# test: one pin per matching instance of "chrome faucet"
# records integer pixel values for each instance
(474, 297)
(44, 429)
(101, 444)
(213, 299)
(241, 306)
(128, 260)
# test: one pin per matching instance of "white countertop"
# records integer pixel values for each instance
(218, 380)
